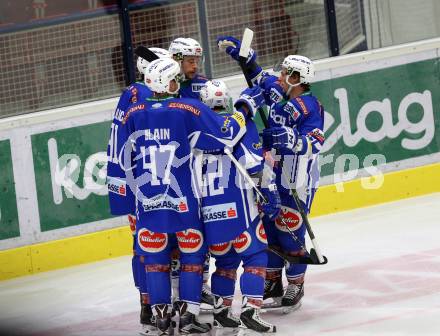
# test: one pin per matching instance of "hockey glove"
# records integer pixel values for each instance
(272, 206)
(280, 138)
(232, 45)
(252, 99)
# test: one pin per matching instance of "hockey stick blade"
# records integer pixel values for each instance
(311, 259)
(246, 42)
(145, 53)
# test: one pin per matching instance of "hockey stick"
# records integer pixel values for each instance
(244, 173)
(245, 47)
(243, 55)
(311, 258)
(145, 53)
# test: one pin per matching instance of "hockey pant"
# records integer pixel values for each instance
(249, 247)
(157, 249)
(279, 236)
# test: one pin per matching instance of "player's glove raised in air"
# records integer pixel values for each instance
(280, 138)
(232, 48)
(272, 204)
(249, 101)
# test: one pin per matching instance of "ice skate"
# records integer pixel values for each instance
(188, 324)
(207, 301)
(292, 298)
(147, 320)
(223, 317)
(250, 318)
(164, 324)
(273, 294)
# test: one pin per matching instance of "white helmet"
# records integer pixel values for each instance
(215, 94)
(142, 63)
(184, 46)
(160, 73)
(300, 64)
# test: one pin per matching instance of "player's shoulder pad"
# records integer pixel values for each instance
(134, 108)
(304, 103)
(188, 104)
(200, 79)
(132, 91)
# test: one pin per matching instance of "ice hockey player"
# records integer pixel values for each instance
(189, 53)
(121, 199)
(158, 158)
(228, 202)
(296, 133)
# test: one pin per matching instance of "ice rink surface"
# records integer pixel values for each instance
(383, 278)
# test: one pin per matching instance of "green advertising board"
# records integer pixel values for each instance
(391, 113)
(394, 112)
(9, 226)
(70, 171)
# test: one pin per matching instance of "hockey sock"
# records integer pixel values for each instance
(135, 265)
(274, 262)
(158, 279)
(191, 281)
(252, 279)
(142, 275)
(223, 282)
(296, 279)
(225, 275)
(295, 273)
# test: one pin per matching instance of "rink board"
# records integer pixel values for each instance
(379, 104)
(117, 242)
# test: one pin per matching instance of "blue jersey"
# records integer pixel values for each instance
(272, 91)
(301, 166)
(163, 140)
(191, 88)
(120, 197)
(229, 204)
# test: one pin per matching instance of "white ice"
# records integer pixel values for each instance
(383, 278)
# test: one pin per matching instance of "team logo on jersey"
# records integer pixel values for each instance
(196, 87)
(152, 242)
(220, 249)
(292, 110)
(116, 186)
(242, 242)
(218, 212)
(257, 145)
(165, 202)
(261, 233)
(190, 240)
(290, 217)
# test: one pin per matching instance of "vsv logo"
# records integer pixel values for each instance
(65, 171)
